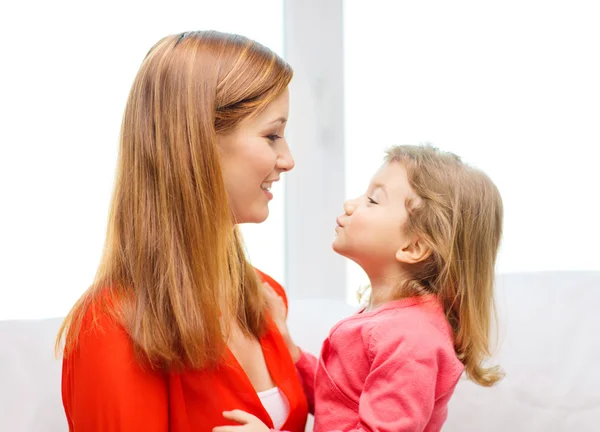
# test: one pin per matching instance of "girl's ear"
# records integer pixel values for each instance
(414, 252)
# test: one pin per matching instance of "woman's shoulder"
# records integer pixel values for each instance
(101, 346)
(96, 325)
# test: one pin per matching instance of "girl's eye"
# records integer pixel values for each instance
(371, 200)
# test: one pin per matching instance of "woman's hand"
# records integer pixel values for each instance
(248, 423)
(278, 312)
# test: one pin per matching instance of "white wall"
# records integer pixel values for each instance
(66, 71)
(511, 86)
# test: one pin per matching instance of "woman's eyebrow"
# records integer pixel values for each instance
(279, 120)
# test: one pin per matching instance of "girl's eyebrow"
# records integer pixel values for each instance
(379, 186)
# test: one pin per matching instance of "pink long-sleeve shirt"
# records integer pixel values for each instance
(393, 369)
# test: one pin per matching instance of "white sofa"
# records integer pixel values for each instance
(549, 348)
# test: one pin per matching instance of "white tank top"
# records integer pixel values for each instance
(276, 405)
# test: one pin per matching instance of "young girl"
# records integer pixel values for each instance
(426, 233)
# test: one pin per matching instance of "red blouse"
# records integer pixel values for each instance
(105, 389)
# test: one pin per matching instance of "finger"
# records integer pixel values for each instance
(226, 428)
(269, 290)
(282, 305)
(273, 299)
(239, 416)
(272, 294)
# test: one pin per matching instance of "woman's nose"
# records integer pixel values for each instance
(285, 161)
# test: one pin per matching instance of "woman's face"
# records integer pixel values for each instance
(253, 156)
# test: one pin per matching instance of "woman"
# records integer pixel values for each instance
(174, 329)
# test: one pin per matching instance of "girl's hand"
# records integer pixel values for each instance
(276, 308)
(278, 312)
(248, 423)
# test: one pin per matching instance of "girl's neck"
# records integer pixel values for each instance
(385, 279)
(383, 290)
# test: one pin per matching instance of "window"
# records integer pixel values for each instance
(63, 95)
(512, 87)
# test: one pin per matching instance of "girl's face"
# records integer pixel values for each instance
(253, 156)
(371, 229)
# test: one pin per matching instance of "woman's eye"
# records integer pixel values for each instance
(371, 200)
(273, 137)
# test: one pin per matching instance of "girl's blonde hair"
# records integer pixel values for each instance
(459, 217)
(173, 267)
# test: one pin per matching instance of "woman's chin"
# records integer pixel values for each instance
(259, 216)
(254, 217)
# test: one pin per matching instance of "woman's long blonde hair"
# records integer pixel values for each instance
(173, 267)
(459, 217)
